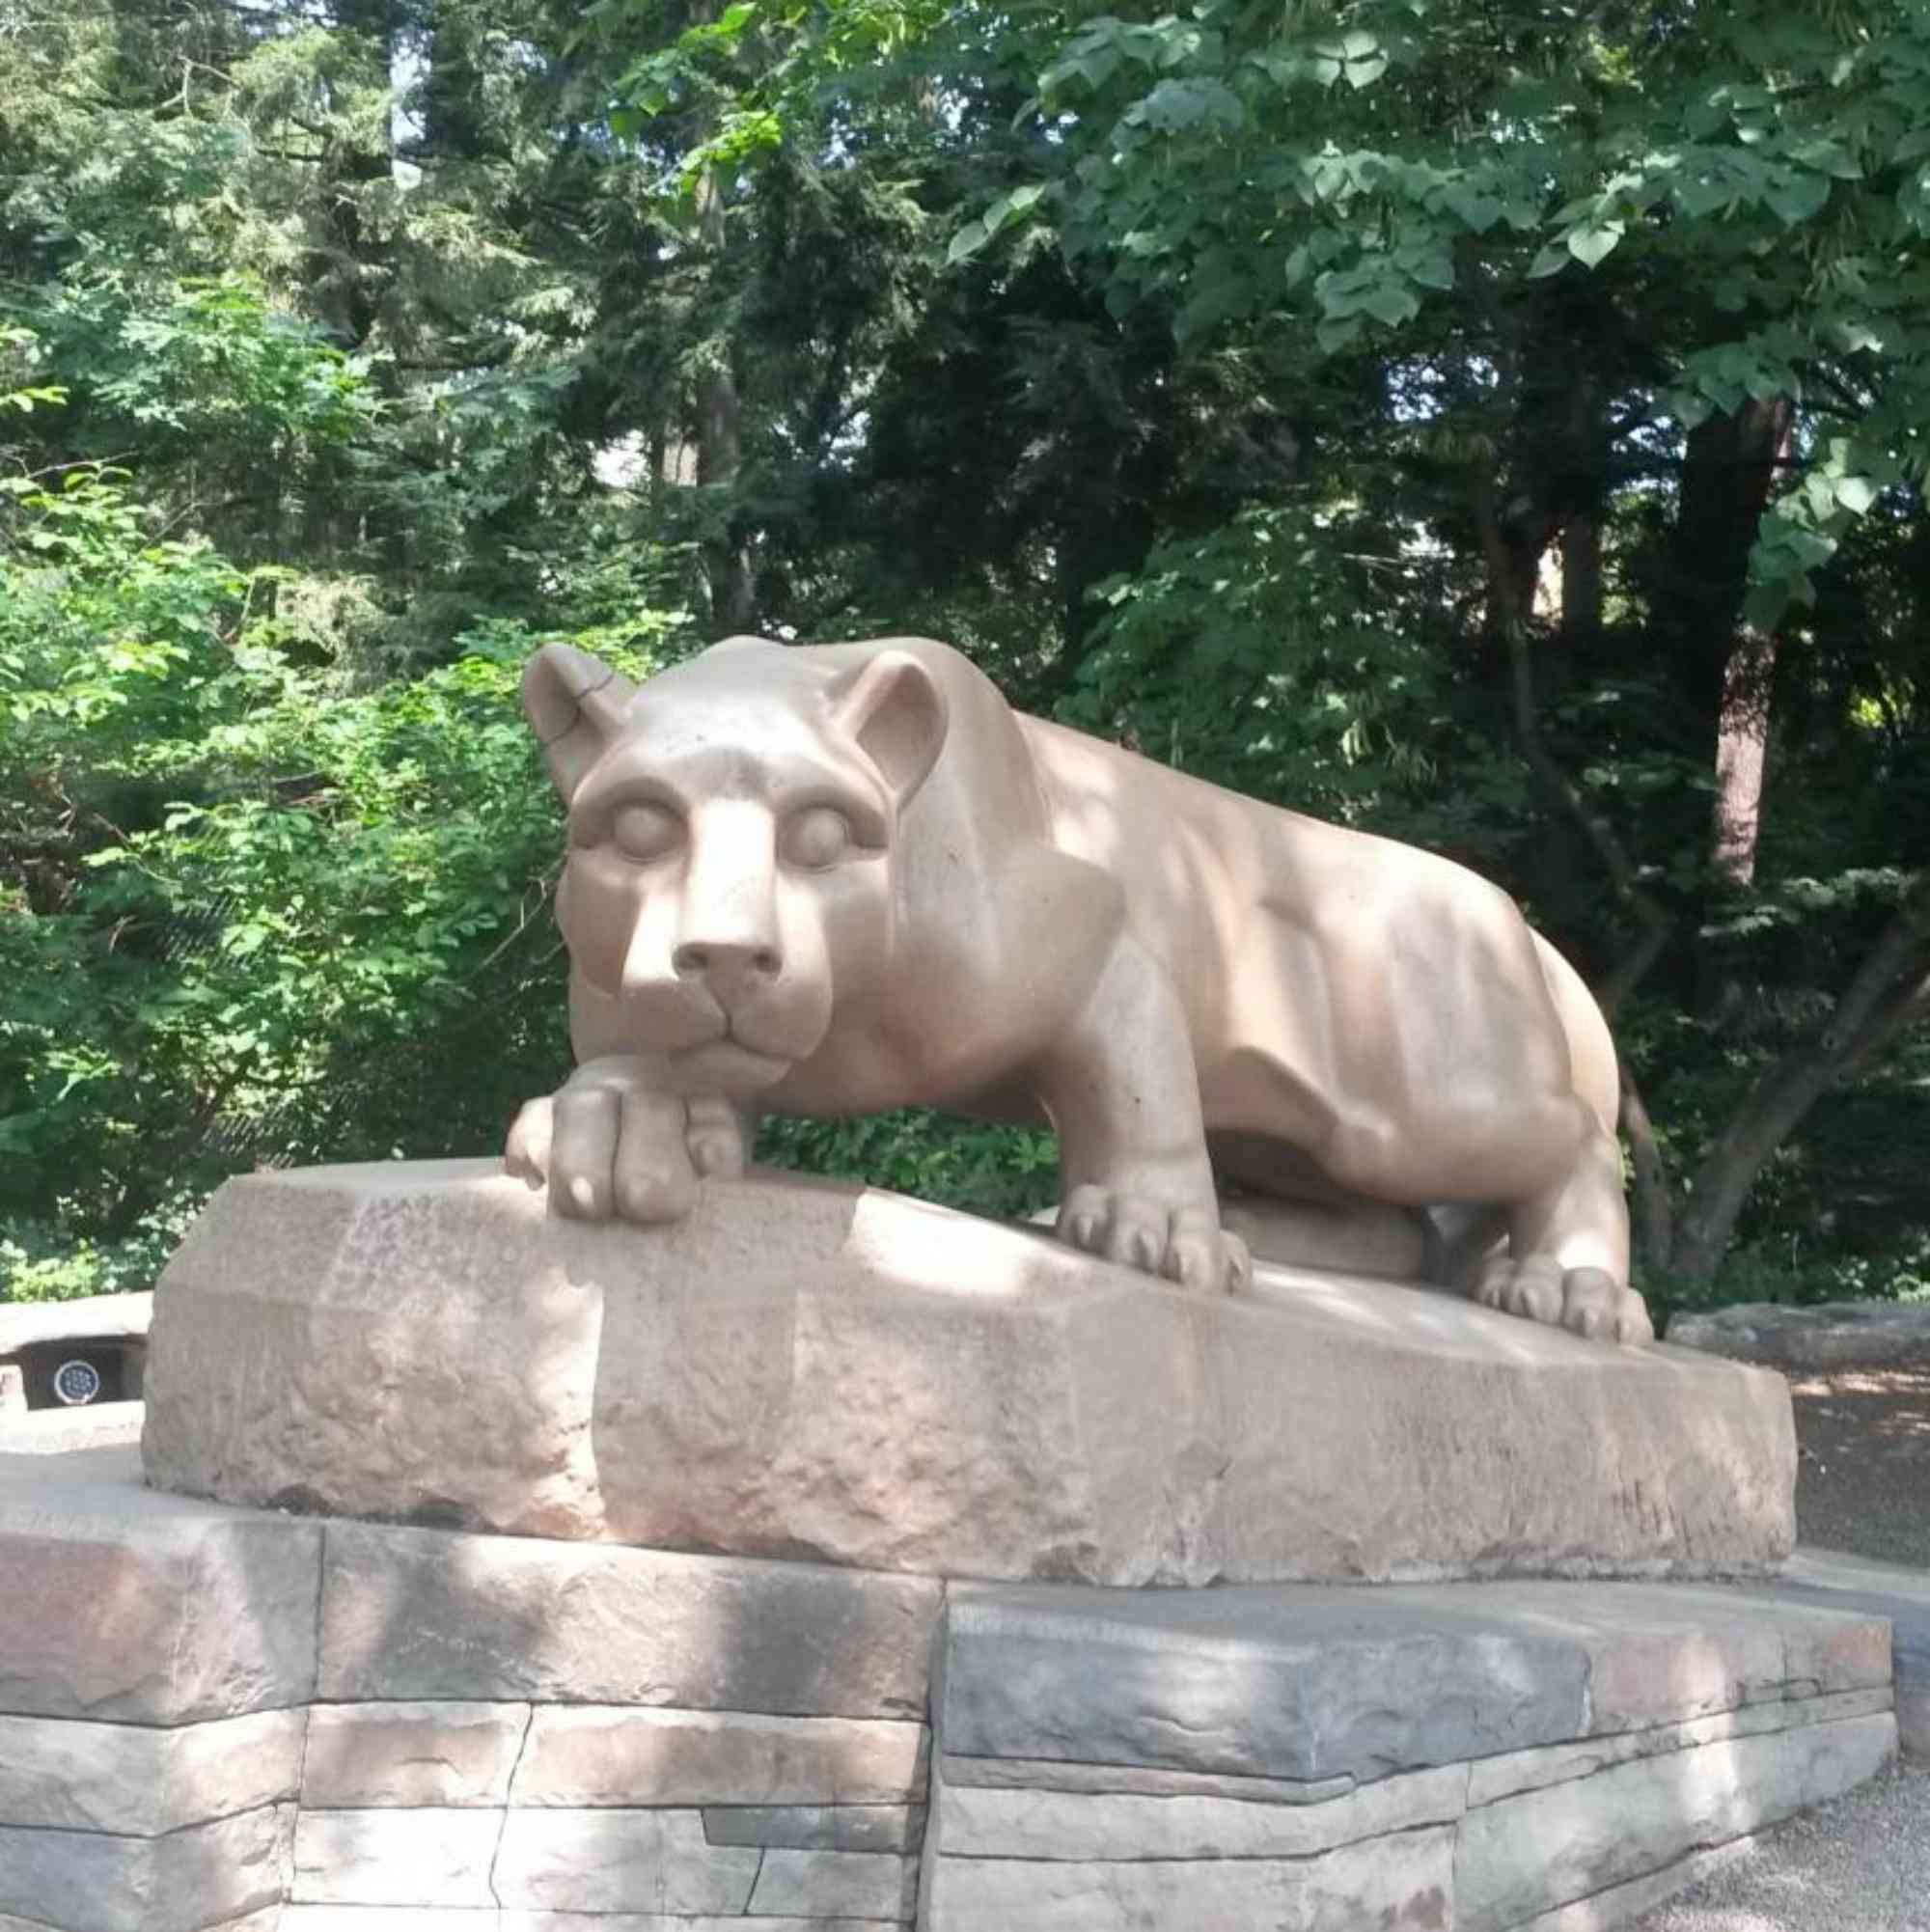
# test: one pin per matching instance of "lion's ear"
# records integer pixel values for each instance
(576, 706)
(894, 709)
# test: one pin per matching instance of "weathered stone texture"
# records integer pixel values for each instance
(375, 1349)
(1259, 1682)
(1399, 1883)
(978, 1821)
(1504, 1776)
(142, 1781)
(1828, 1335)
(836, 1885)
(118, 1603)
(611, 1860)
(1837, 1583)
(410, 1614)
(1525, 1855)
(602, 1754)
(423, 1855)
(94, 1881)
(819, 1828)
(431, 1919)
(849, 1374)
(398, 1754)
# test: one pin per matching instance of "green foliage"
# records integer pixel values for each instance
(252, 910)
(1225, 380)
(1258, 658)
(1007, 1173)
(1383, 172)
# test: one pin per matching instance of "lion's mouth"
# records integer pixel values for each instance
(727, 1063)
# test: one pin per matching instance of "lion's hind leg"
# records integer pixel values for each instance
(1567, 1256)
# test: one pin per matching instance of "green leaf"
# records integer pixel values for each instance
(1797, 196)
(967, 242)
(1590, 243)
(1856, 494)
(1391, 302)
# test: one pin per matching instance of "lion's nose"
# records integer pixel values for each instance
(731, 968)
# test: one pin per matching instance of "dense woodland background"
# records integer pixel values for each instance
(1500, 425)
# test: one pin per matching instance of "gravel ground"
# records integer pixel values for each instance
(1863, 1473)
(1861, 1864)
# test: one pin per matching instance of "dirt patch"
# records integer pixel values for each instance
(1863, 1472)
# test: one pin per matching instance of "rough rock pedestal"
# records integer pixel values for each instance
(809, 1369)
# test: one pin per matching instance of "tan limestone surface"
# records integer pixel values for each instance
(803, 1369)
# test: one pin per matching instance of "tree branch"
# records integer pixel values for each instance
(1654, 1205)
(1625, 879)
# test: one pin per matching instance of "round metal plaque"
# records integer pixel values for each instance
(76, 1382)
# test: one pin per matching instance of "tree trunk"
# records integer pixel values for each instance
(1652, 1208)
(720, 425)
(1581, 581)
(1727, 476)
(1742, 743)
(1889, 993)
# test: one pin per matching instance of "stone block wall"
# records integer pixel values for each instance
(212, 1718)
(1509, 1758)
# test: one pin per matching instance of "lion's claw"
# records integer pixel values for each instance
(1185, 1245)
(607, 1143)
(1585, 1301)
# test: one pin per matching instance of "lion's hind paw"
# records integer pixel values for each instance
(1586, 1301)
(1186, 1245)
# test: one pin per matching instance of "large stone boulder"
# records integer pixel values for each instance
(809, 1369)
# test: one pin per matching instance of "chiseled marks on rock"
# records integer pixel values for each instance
(179, 1882)
(1402, 1883)
(425, 1855)
(611, 1861)
(1541, 1849)
(889, 1385)
(307, 1312)
(118, 1603)
(421, 1613)
(604, 1754)
(404, 1755)
(1280, 1682)
(980, 1821)
(819, 1828)
(70, 1773)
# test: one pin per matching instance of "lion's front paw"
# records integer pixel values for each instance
(1588, 1301)
(606, 1144)
(1186, 1245)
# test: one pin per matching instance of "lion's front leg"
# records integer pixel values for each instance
(611, 1141)
(1136, 1185)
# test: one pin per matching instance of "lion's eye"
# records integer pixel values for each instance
(646, 832)
(817, 837)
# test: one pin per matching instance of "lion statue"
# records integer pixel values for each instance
(834, 880)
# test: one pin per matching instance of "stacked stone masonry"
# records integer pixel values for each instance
(217, 1718)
